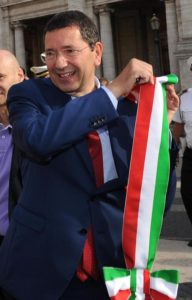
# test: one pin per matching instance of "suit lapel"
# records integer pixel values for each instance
(57, 99)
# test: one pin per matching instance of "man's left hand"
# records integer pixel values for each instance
(172, 102)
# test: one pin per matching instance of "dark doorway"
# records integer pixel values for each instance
(34, 46)
(134, 37)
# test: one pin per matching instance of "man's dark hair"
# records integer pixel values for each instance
(86, 26)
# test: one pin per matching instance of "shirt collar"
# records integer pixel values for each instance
(97, 85)
(5, 127)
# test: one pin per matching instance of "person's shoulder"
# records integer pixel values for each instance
(186, 96)
(28, 88)
(30, 84)
(185, 93)
(186, 100)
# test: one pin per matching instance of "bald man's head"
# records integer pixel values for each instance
(10, 73)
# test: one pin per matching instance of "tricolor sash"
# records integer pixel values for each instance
(139, 284)
(145, 201)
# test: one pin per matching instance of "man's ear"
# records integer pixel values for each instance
(98, 53)
(21, 74)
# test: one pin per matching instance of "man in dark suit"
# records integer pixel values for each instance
(67, 223)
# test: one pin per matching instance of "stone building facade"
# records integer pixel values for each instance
(125, 30)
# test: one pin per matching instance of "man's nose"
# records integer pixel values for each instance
(61, 61)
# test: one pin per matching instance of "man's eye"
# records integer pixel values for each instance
(70, 51)
(49, 54)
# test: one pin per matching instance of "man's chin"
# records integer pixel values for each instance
(3, 102)
(70, 89)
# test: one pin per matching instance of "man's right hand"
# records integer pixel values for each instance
(136, 72)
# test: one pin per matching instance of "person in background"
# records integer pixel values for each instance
(182, 129)
(10, 74)
(40, 71)
(104, 81)
(76, 140)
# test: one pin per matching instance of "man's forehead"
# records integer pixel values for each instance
(64, 31)
(7, 67)
(7, 63)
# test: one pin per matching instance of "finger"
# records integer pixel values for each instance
(144, 79)
(138, 80)
(151, 79)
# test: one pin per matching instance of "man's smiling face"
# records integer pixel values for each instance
(70, 60)
(10, 73)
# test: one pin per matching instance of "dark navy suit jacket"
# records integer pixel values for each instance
(59, 200)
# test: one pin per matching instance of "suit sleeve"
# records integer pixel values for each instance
(41, 131)
(172, 177)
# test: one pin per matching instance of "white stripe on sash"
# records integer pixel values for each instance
(109, 168)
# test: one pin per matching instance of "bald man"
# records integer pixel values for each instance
(10, 74)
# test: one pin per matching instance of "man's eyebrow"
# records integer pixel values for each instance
(62, 48)
(49, 49)
(68, 47)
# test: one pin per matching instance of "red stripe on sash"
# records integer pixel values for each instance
(122, 295)
(146, 284)
(159, 296)
(95, 150)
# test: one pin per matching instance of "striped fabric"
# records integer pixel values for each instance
(145, 199)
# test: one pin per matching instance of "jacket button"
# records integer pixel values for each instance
(83, 231)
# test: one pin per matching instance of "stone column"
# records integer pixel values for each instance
(6, 35)
(107, 40)
(172, 34)
(76, 5)
(19, 43)
(184, 46)
(1, 28)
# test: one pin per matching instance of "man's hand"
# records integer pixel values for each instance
(136, 72)
(172, 102)
(139, 72)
